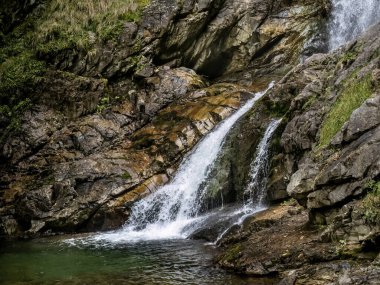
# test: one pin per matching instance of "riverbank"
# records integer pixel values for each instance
(281, 242)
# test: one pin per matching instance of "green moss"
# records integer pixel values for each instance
(126, 176)
(233, 253)
(290, 202)
(352, 96)
(277, 109)
(310, 102)
(348, 57)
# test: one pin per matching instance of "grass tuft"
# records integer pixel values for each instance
(46, 32)
(19, 72)
(371, 203)
(351, 98)
(73, 23)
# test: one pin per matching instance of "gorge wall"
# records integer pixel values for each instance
(92, 121)
(327, 159)
(95, 117)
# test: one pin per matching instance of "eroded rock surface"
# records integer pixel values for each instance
(331, 170)
(108, 124)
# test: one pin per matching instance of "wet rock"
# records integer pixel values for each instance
(91, 171)
(169, 85)
(252, 250)
(335, 239)
(279, 177)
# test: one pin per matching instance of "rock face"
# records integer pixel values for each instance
(105, 123)
(91, 164)
(330, 144)
(91, 125)
(213, 38)
(13, 12)
(270, 33)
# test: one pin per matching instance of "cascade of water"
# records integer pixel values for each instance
(258, 178)
(350, 18)
(169, 211)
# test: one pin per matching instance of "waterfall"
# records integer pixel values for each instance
(350, 18)
(172, 211)
(258, 178)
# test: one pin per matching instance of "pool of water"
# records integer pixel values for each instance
(56, 261)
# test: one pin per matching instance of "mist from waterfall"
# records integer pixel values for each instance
(350, 18)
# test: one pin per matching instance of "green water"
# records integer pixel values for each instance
(52, 261)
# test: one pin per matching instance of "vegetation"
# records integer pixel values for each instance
(233, 253)
(103, 104)
(62, 24)
(126, 176)
(290, 202)
(371, 203)
(12, 114)
(79, 24)
(351, 97)
(19, 72)
(59, 25)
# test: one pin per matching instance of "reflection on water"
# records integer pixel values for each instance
(51, 261)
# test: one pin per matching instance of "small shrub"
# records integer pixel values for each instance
(371, 203)
(13, 115)
(103, 104)
(19, 72)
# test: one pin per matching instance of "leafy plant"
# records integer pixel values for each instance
(104, 103)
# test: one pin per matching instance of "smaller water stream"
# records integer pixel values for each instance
(257, 185)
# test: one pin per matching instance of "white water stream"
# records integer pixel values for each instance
(350, 18)
(258, 178)
(256, 188)
(172, 211)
